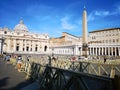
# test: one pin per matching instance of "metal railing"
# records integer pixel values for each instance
(96, 67)
(70, 75)
(52, 78)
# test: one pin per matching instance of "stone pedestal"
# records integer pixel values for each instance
(85, 50)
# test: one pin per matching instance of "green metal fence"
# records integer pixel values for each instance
(52, 78)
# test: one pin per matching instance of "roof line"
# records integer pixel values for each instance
(106, 29)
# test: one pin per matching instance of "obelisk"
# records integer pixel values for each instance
(84, 34)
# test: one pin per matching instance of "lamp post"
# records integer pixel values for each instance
(73, 50)
(52, 52)
(50, 58)
(73, 59)
(2, 43)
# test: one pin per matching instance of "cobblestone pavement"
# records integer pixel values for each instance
(10, 78)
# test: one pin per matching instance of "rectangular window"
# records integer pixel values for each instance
(36, 49)
(23, 49)
(27, 48)
(17, 48)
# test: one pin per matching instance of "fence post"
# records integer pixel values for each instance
(99, 70)
(49, 58)
(112, 73)
(80, 68)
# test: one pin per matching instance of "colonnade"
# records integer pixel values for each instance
(67, 50)
(92, 50)
(110, 50)
(105, 50)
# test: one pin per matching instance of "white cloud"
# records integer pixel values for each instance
(79, 21)
(66, 25)
(91, 17)
(97, 14)
(119, 8)
(116, 11)
(102, 13)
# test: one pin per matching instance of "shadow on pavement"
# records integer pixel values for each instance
(22, 85)
(4, 82)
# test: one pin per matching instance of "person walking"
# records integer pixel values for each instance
(104, 60)
(7, 59)
(19, 63)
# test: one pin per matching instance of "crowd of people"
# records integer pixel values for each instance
(18, 59)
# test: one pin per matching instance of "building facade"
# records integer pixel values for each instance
(21, 41)
(105, 42)
(66, 44)
(100, 42)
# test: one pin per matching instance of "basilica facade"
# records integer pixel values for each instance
(21, 41)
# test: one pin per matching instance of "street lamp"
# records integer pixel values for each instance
(73, 50)
(50, 58)
(2, 43)
(52, 52)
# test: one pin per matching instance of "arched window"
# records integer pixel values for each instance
(27, 48)
(113, 40)
(36, 48)
(45, 48)
(5, 32)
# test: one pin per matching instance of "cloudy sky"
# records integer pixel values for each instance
(57, 16)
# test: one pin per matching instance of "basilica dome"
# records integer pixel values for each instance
(20, 27)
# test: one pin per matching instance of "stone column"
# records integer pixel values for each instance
(105, 50)
(93, 51)
(99, 50)
(2, 47)
(76, 50)
(33, 46)
(89, 50)
(29, 45)
(102, 50)
(73, 50)
(69, 51)
(96, 51)
(81, 51)
(14, 45)
(25, 46)
(21, 45)
(108, 51)
(8, 45)
(115, 51)
(119, 50)
(56, 51)
(112, 51)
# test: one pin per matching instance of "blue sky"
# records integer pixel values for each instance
(57, 16)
